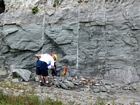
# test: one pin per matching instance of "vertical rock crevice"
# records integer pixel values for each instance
(2, 6)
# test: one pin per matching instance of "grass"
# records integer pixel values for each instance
(30, 99)
(23, 99)
(34, 100)
(100, 101)
(26, 100)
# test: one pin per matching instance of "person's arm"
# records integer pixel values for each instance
(38, 55)
(52, 67)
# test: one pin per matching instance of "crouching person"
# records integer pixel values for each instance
(44, 60)
(54, 71)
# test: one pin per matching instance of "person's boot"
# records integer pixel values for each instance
(41, 83)
(48, 84)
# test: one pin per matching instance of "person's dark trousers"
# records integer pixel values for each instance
(54, 72)
(41, 65)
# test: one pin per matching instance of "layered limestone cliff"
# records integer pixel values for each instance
(98, 38)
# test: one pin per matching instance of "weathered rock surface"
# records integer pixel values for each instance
(23, 73)
(98, 38)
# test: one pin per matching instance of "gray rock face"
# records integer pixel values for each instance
(96, 38)
(3, 73)
(127, 75)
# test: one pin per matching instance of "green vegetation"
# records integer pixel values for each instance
(23, 99)
(54, 5)
(100, 101)
(26, 100)
(35, 10)
(57, 2)
(31, 99)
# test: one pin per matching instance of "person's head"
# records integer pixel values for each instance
(55, 57)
